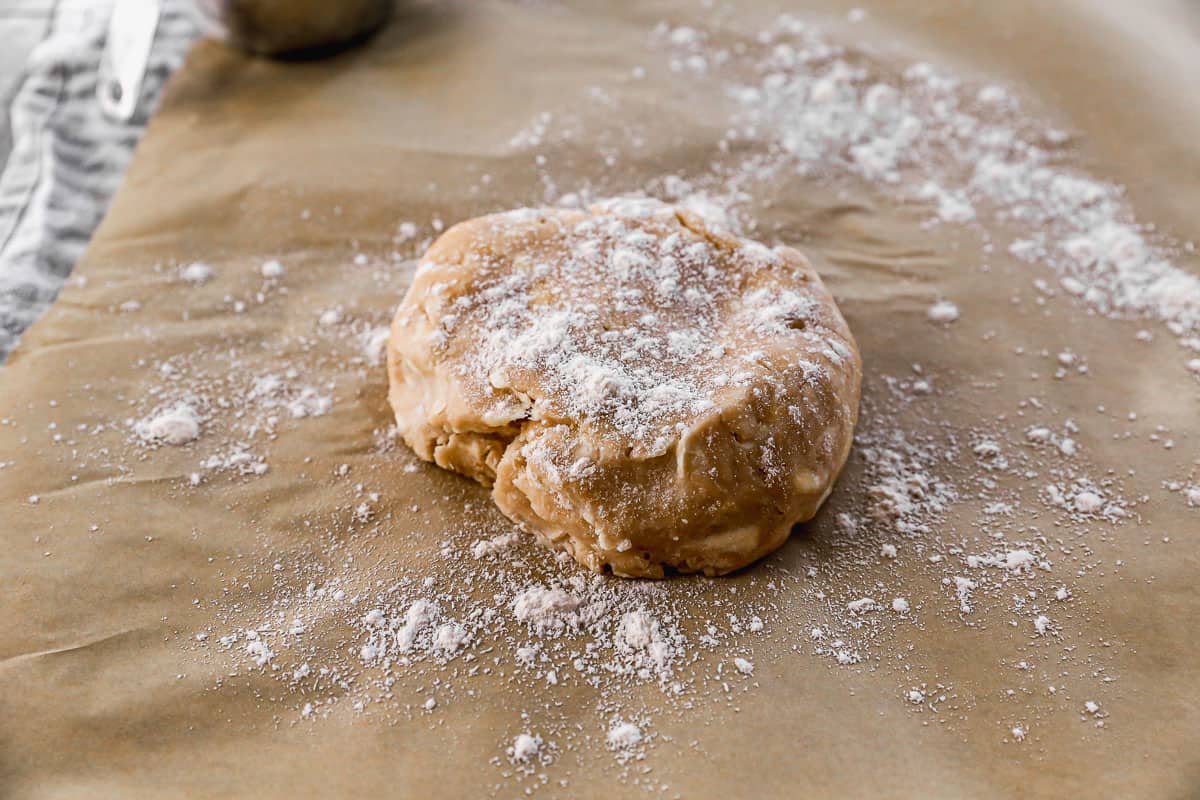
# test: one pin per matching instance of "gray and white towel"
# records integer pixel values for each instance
(62, 158)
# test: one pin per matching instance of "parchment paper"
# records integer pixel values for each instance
(314, 162)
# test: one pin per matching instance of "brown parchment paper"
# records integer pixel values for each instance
(101, 697)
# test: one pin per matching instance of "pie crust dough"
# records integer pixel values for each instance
(639, 387)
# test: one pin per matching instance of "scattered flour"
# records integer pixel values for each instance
(272, 269)
(495, 546)
(545, 609)
(177, 425)
(1087, 502)
(525, 747)
(197, 273)
(829, 109)
(624, 736)
(862, 605)
(1193, 496)
(374, 345)
(943, 311)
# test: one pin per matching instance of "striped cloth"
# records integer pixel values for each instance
(65, 157)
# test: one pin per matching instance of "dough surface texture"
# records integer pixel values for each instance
(640, 388)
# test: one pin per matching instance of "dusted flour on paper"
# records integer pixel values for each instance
(994, 534)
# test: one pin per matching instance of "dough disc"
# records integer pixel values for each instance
(640, 388)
